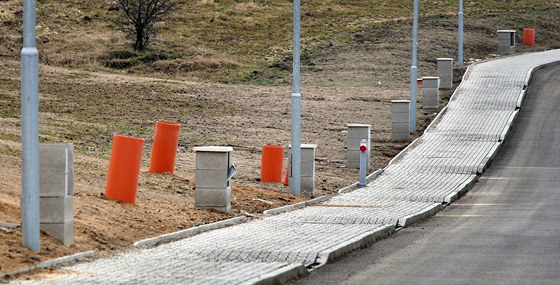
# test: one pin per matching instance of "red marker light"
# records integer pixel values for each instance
(363, 147)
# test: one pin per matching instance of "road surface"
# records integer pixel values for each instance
(506, 230)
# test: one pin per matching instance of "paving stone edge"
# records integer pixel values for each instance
(297, 206)
(190, 232)
(361, 241)
(413, 218)
(280, 276)
(369, 178)
(466, 186)
(51, 263)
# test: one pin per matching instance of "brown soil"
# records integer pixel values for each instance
(341, 84)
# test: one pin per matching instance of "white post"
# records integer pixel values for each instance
(30, 217)
(460, 52)
(363, 161)
(296, 107)
(413, 70)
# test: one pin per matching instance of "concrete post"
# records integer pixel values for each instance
(445, 72)
(430, 92)
(506, 41)
(399, 120)
(307, 168)
(57, 190)
(214, 169)
(357, 133)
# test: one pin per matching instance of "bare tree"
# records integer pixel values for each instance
(138, 18)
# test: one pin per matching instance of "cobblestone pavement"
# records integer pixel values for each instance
(434, 170)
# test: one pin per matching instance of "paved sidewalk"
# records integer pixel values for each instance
(434, 170)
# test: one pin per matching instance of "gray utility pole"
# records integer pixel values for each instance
(30, 219)
(413, 71)
(296, 106)
(460, 52)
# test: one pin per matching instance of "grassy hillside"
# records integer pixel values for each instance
(250, 40)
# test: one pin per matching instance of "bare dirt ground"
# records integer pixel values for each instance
(342, 83)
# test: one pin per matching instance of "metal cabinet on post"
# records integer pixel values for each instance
(214, 170)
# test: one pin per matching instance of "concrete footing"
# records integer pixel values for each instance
(400, 120)
(445, 72)
(307, 169)
(430, 92)
(506, 41)
(57, 190)
(357, 133)
(214, 169)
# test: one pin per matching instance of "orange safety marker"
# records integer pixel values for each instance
(164, 149)
(529, 37)
(271, 163)
(124, 168)
(286, 181)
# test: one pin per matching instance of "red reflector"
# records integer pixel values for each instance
(363, 148)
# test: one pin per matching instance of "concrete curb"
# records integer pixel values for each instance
(51, 263)
(509, 125)
(190, 232)
(466, 186)
(521, 98)
(353, 244)
(427, 212)
(7, 225)
(279, 276)
(296, 206)
(369, 178)
(488, 158)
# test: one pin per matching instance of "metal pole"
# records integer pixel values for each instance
(363, 166)
(460, 52)
(413, 70)
(296, 106)
(30, 219)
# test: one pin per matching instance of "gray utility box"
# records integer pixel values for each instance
(430, 92)
(506, 41)
(57, 191)
(445, 72)
(400, 128)
(307, 187)
(357, 133)
(214, 170)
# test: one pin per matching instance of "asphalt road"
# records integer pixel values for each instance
(506, 230)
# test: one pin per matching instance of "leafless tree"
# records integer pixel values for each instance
(138, 17)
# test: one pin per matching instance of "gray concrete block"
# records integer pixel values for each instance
(430, 97)
(354, 144)
(307, 152)
(57, 209)
(308, 186)
(211, 178)
(353, 158)
(401, 117)
(219, 199)
(446, 82)
(400, 127)
(358, 131)
(57, 170)
(400, 106)
(61, 231)
(213, 160)
(430, 82)
(397, 137)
